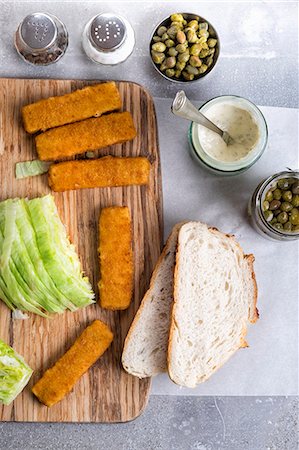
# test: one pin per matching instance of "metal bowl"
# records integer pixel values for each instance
(213, 33)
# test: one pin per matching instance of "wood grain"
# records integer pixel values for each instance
(106, 393)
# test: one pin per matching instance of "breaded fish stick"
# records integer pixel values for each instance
(116, 258)
(78, 105)
(108, 171)
(90, 134)
(58, 381)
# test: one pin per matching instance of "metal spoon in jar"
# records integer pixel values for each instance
(182, 107)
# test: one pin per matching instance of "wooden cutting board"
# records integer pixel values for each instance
(106, 393)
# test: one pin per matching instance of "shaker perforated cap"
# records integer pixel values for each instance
(107, 32)
(38, 31)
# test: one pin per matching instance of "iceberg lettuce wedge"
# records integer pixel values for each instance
(39, 268)
(14, 373)
(27, 235)
(58, 266)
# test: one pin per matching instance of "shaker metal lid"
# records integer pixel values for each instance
(38, 31)
(107, 32)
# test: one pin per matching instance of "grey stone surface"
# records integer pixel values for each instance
(259, 60)
(170, 423)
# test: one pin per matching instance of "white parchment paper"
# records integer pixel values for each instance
(270, 365)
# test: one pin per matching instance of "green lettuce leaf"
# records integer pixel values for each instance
(31, 168)
(39, 268)
(14, 373)
(61, 263)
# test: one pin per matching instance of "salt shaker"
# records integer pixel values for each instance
(108, 39)
(41, 39)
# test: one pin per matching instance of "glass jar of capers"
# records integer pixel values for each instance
(184, 47)
(274, 206)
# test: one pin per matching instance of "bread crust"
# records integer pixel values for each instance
(148, 292)
(253, 312)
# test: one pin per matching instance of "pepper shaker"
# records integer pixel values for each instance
(108, 39)
(41, 39)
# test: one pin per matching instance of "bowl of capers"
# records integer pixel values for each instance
(184, 47)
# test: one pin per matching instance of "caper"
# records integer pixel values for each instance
(275, 204)
(179, 25)
(188, 76)
(193, 24)
(163, 66)
(278, 226)
(211, 51)
(287, 226)
(181, 37)
(192, 36)
(287, 196)
(268, 215)
(195, 61)
(159, 47)
(273, 221)
(295, 200)
(202, 40)
(178, 73)
(203, 33)
(283, 184)
(161, 31)
(195, 49)
(203, 26)
(203, 53)
(172, 31)
(266, 205)
(283, 217)
(184, 57)
(294, 216)
(156, 39)
(191, 69)
(212, 42)
(170, 72)
(276, 212)
(177, 17)
(295, 187)
(295, 228)
(164, 37)
(202, 68)
(286, 206)
(269, 196)
(180, 65)
(273, 187)
(172, 51)
(209, 61)
(181, 48)
(277, 194)
(169, 43)
(158, 57)
(170, 62)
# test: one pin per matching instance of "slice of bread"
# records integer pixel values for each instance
(145, 348)
(215, 296)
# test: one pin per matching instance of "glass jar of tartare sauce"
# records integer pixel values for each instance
(245, 124)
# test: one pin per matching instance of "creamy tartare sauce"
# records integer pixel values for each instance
(240, 125)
